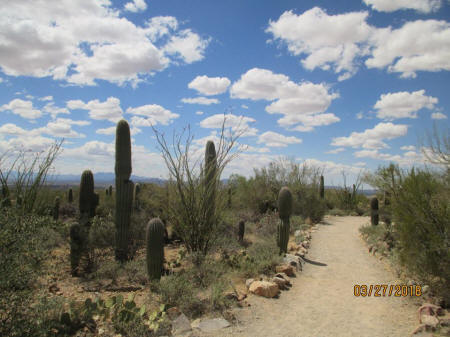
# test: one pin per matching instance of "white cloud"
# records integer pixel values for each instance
(22, 108)
(85, 41)
(408, 158)
(329, 41)
(423, 6)
(136, 6)
(30, 142)
(302, 104)
(408, 148)
(422, 45)
(153, 114)
(112, 131)
(335, 151)
(209, 85)
(243, 106)
(403, 104)
(200, 100)
(251, 149)
(62, 127)
(46, 98)
(189, 46)
(199, 113)
(11, 129)
(109, 109)
(54, 110)
(238, 124)
(273, 139)
(438, 115)
(372, 138)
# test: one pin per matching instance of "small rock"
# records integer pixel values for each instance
(287, 269)
(264, 288)
(305, 244)
(282, 284)
(173, 312)
(211, 325)
(284, 277)
(181, 325)
(241, 297)
(195, 323)
(293, 261)
(248, 282)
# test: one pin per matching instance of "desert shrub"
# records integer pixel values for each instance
(262, 257)
(217, 298)
(68, 210)
(110, 270)
(136, 271)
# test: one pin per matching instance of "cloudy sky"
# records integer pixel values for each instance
(345, 85)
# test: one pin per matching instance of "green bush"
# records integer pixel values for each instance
(262, 257)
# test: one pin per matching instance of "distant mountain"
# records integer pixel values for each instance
(100, 178)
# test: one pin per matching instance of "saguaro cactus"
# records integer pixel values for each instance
(124, 190)
(374, 211)
(322, 188)
(210, 179)
(70, 196)
(88, 199)
(285, 211)
(137, 190)
(56, 209)
(241, 230)
(110, 190)
(155, 248)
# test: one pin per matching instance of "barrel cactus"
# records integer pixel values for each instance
(374, 211)
(322, 188)
(155, 248)
(70, 196)
(285, 211)
(56, 209)
(124, 190)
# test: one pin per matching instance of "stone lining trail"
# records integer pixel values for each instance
(321, 302)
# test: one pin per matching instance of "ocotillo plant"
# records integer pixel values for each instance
(70, 196)
(210, 180)
(124, 190)
(285, 211)
(241, 230)
(374, 211)
(155, 248)
(56, 209)
(322, 188)
(88, 199)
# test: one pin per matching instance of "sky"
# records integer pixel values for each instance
(341, 85)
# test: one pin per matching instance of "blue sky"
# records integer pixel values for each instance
(341, 85)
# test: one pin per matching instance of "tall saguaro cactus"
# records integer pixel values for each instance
(322, 188)
(210, 179)
(124, 190)
(374, 211)
(155, 248)
(88, 199)
(70, 196)
(285, 211)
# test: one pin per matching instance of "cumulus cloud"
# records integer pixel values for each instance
(273, 139)
(209, 85)
(29, 142)
(107, 110)
(423, 6)
(422, 45)
(46, 98)
(438, 115)
(329, 41)
(403, 104)
(85, 41)
(62, 127)
(200, 100)
(372, 139)
(408, 148)
(238, 124)
(335, 151)
(406, 159)
(302, 104)
(22, 108)
(339, 42)
(152, 114)
(199, 112)
(136, 6)
(53, 110)
(10, 129)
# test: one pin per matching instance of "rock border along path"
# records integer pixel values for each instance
(321, 301)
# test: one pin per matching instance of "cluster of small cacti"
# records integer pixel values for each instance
(374, 211)
(285, 211)
(124, 190)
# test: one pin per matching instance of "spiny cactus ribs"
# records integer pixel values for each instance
(88, 199)
(210, 179)
(285, 211)
(124, 190)
(155, 248)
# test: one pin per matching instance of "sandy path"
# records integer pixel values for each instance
(321, 302)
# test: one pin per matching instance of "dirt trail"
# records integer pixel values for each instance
(321, 302)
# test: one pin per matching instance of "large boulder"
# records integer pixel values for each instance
(264, 288)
